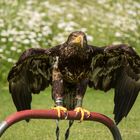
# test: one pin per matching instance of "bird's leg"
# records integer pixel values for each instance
(58, 97)
(81, 110)
(81, 89)
(57, 93)
(57, 88)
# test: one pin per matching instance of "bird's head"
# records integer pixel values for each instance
(77, 39)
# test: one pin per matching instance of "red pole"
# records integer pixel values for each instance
(52, 114)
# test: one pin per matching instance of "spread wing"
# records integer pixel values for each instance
(31, 74)
(117, 67)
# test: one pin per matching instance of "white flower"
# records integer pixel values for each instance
(13, 48)
(33, 40)
(116, 42)
(119, 7)
(46, 30)
(1, 50)
(36, 45)
(10, 60)
(1, 23)
(131, 12)
(137, 4)
(3, 39)
(12, 31)
(118, 34)
(4, 33)
(32, 35)
(110, 15)
(26, 41)
(39, 39)
(19, 50)
(59, 38)
(69, 29)
(134, 48)
(46, 3)
(71, 23)
(117, 23)
(61, 25)
(3, 57)
(70, 16)
(83, 29)
(133, 27)
(29, 2)
(101, 1)
(100, 30)
(10, 39)
(85, 18)
(21, 32)
(67, 25)
(39, 35)
(89, 38)
(18, 39)
(34, 19)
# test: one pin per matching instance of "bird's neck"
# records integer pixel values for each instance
(74, 51)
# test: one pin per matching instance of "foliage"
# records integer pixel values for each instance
(41, 23)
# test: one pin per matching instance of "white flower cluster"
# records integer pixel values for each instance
(35, 23)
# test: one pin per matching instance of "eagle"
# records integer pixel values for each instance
(71, 67)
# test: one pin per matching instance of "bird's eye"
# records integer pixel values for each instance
(74, 35)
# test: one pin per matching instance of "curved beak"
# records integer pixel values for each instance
(79, 40)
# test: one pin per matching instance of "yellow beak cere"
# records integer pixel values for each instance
(79, 40)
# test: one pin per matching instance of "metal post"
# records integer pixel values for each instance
(52, 114)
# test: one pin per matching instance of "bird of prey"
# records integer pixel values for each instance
(73, 66)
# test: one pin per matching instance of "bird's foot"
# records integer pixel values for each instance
(82, 111)
(59, 109)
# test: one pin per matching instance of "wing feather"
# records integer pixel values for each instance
(31, 74)
(126, 92)
(117, 67)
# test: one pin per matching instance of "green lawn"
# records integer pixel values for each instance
(45, 129)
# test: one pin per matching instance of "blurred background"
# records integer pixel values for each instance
(46, 23)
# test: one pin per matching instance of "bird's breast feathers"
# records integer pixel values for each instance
(73, 68)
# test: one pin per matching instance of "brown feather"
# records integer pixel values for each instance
(70, 67)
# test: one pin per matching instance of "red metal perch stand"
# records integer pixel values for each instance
(52, 114)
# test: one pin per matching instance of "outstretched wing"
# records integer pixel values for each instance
(31, 74)
(117, 67)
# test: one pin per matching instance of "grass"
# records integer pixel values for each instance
(45, 129)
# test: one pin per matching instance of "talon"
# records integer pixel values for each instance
(82, 111)
(59, 109)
